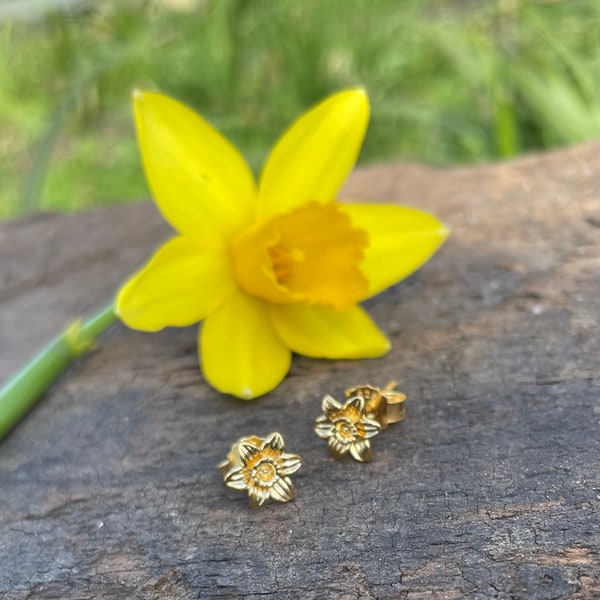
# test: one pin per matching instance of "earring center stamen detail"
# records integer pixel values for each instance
(345, 429)
(265, 472)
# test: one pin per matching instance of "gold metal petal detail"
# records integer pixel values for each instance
(323, 427)
(283, 489)
(289, 464)
(337, 447)
(235, 479)
(361, 450)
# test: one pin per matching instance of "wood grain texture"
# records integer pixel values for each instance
(489, 489)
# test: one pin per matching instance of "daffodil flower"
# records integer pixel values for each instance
(270, 268)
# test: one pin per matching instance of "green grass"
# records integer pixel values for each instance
(450, 82)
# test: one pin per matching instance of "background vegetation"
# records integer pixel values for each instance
(453, 81)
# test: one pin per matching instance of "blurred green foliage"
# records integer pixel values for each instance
(449, 81)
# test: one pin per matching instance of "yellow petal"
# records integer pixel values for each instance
(241, 353)
(324, 333)
(186, 280)
(315, 155)
(401, 240)
(200, 182)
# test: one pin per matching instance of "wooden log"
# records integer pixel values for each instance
(489, 489)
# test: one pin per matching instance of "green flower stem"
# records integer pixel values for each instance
(22, 392)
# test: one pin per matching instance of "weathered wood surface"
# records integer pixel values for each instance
(489, 489)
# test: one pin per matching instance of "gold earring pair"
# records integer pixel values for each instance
(260, 465)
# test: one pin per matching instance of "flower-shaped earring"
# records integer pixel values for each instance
(261, 467)
(348, 427)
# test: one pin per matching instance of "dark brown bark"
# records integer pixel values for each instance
(489, 489)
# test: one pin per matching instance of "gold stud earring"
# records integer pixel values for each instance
(261, 467)
(348, 427)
